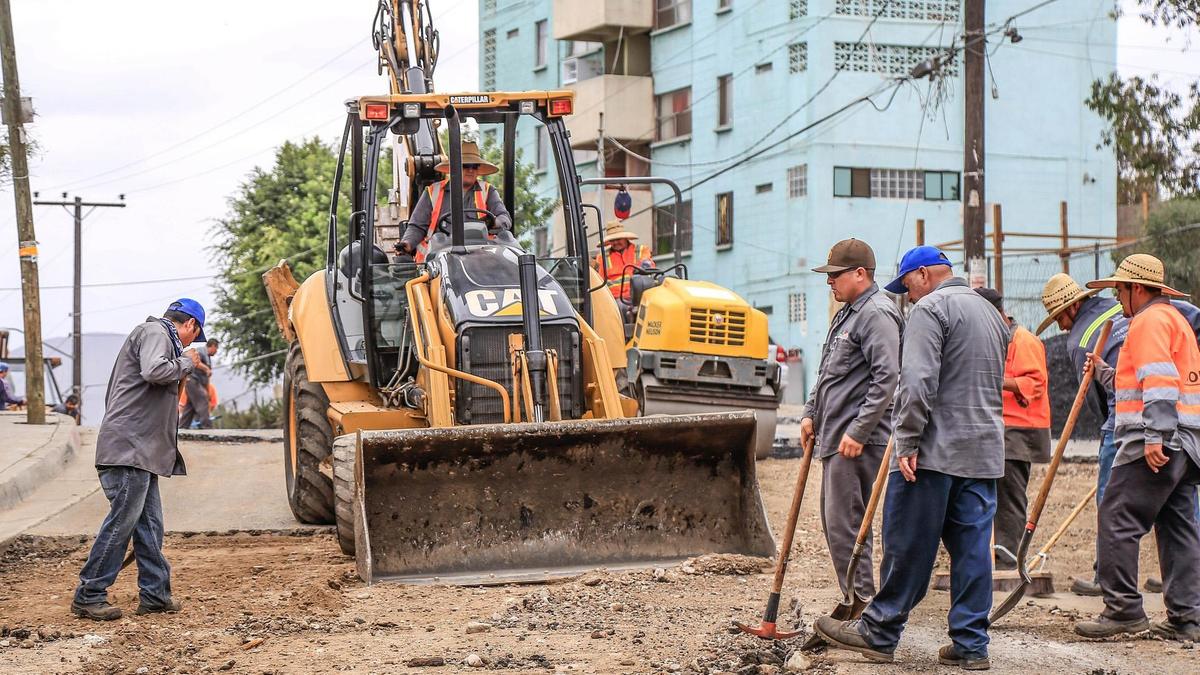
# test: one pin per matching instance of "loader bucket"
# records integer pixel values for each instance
(487, 504)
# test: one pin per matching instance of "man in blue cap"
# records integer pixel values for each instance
(948, 435)
(138, 443)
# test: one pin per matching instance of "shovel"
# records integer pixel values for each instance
(1017, 593)
(852, 605)
(766, 630)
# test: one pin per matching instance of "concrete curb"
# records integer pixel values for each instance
(40, 464)
(232, 435)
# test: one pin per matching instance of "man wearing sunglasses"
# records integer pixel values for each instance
(478, 195)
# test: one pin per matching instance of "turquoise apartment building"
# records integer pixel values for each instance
(699, 86)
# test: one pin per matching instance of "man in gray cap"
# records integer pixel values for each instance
(850, 408)
(137, 443)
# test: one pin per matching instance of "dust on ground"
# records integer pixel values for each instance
(267, 603)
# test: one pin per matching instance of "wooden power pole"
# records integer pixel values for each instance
(35, 378)
(975, 48)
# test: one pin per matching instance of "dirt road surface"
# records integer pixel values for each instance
(257, 602)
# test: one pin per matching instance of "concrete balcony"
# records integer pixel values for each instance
(627, 103)
(601, 20)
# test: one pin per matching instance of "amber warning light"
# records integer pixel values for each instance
(377, 111)
(561, 106)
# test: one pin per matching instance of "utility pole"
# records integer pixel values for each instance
(975, 48)
(77, 313)
(35, 379)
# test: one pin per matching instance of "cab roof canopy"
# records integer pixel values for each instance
(489, 107)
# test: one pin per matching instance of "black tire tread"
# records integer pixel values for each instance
(344, 450)
(311, 498)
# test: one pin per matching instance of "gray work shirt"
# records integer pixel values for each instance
(418, 222)
(141, 418)
(860, 365)
(949, 403)
(199, 377)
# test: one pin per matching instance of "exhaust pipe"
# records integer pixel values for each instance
(535, 356)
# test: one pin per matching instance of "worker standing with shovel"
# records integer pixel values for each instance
(848, 413)
(949, 445)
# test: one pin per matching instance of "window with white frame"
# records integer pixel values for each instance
(912, 10)
(541, 36)
(673, 112)
(897, 184)
(797, 9)
(724, 101)
(886, 59)
(489, 60)
(798, 57)
(797, 181)
(669, 13)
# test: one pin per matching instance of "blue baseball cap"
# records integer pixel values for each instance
(916, 258)
(193, 309)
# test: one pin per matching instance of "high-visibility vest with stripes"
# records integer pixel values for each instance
(617, 261)
(1158, 374)
(436, 192)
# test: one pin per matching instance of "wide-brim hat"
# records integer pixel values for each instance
(470, 155)
(1139, 268)
(615, 229)
(1059, 293)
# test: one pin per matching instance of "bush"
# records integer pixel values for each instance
(1173, 236)
(260, 415)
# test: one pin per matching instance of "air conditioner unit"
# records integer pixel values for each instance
(570, 71)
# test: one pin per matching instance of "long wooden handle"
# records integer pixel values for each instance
(1065, 436)
(876, 492)
(1087, 499)
(793, 515)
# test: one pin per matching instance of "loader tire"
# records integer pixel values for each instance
(307, 441)
(344, 450)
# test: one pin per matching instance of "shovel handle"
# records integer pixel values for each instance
(1085, 382)
(789, 531)
(876, 493)
(1087, 499)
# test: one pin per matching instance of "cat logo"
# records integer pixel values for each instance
(473, 99)
(506, 302)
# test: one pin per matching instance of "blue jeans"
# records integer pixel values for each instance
(135, 511)
(965, 508)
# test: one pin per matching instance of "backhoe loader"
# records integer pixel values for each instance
(458, 419)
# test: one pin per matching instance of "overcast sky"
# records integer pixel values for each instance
(173, 104)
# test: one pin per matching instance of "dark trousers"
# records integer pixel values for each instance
(196, 409)
(1011, 502)
(958, 512)
(1136, 500)
(845, 488)
(135, 511)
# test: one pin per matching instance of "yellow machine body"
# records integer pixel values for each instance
(700, 317)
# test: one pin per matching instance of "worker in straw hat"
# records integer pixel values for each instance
(1157, 467)
(478, 195)
(620, 252)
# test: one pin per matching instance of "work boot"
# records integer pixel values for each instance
(1104, 627)
(1084, 587)
(845, 635)
(1153, 585)
(96, 611)
(1169, 630)
(171, 607)
(949, 656)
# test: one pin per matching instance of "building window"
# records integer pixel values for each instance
(764, 188)
(541, 155)
(797, 9)
(512, 33)
(669, 13)
(674, 114)
(897, 184)
(724, 101)
(725, 220)
(913, 10)
(797, 181)
(895, 60)
(723, 5)
(798, 57)
(763, 68)
(489, 6)
(663, 229)
(797, 307)
(489, 59)
(849, 182)
(941, 185)
(541, 37)
(541, 245)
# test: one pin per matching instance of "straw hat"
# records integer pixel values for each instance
(1139, 268)
(1057, 295)
(470, 155)
(616, 230)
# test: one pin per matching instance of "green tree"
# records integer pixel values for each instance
(1154, 131)
(1173, 236)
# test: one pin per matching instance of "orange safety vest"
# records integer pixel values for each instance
(1158, 374)
(635, 255)
(435, 192)
(1026, 363)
